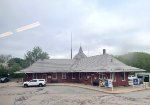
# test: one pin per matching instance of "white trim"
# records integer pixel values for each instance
(80, 76)
(103, 76)
(114, 77)
(63, 75)
(100, 76)
(124, 76)
(34, 75)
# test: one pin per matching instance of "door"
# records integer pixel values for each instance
(92, 79)
(146, 78)
(32, 83)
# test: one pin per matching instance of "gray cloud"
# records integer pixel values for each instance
(119, 26)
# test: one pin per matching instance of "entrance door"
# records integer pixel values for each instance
(146, 78)
(92, 79)
(44, 76)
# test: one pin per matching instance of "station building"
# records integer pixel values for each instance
(81, 69)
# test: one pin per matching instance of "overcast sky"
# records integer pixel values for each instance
(119, 26)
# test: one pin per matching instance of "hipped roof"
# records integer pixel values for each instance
(99, 63)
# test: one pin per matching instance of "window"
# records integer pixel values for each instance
(103, 76)
(122, 76)
(41, 80)
(54, 75)
(85, 75)
(100, 76)
(33, 81)
(80, 75)
(63, 75)
(114, 77)
(73, 75)
(34, 76)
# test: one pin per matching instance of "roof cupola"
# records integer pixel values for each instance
(80, 54)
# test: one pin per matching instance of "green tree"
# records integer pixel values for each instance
(3, 65)
(19, 61)
(136, 59)
(3, 71)
(4, 58)
(35, 54)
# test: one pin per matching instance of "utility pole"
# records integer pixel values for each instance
(71, 45)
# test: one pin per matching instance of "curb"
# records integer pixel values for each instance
(76, 86)
(90, 88)
(84, 87)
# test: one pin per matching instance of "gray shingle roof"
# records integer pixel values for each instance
(99, 63)
(103, 63)
(50, 65)
(80, 54)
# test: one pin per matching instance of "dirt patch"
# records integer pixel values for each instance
(55, 95)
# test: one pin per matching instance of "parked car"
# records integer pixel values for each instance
(4, 79)
(35, 82)
(131, 77)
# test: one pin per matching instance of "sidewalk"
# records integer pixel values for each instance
(116, 90)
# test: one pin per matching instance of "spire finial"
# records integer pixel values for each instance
(80, 50)
(80, 54)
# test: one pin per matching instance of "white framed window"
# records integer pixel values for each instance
(63, 75)
(114, 77)
(100, 76)
(122, 76)
(103, 76)
(85, 75)
(80, 75)
(73, 76)
(34, 76)
(54, 76)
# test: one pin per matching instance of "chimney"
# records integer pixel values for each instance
(104, 51)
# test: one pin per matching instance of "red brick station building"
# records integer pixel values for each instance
(81, 69)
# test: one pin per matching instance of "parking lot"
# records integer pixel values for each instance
(66, 95)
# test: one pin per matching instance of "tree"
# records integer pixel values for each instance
(15, 67)
(4, 58)
(16, 64)
(3, 71)
(136, 59)
(35, 54)
(19, 61)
